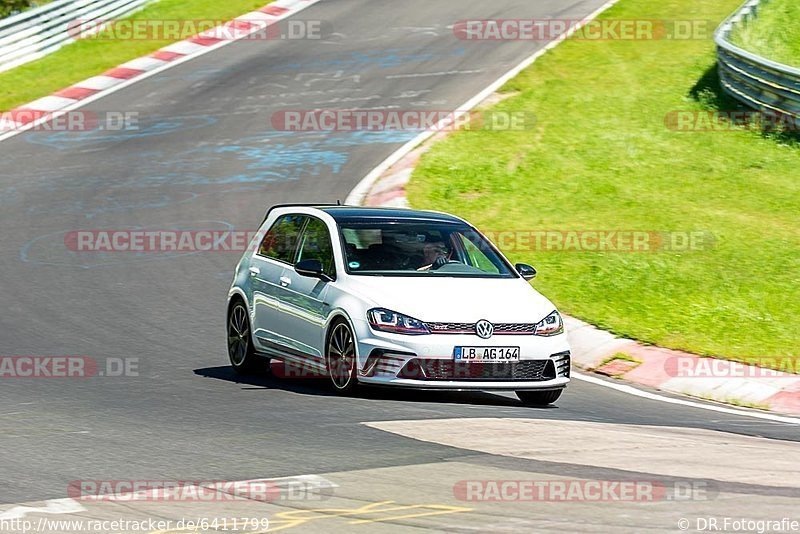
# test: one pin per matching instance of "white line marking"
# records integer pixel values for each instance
(630, 390)
(359, 192)
(53, 506)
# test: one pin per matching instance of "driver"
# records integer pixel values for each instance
(433, 254)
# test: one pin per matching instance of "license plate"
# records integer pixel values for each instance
(486, 354)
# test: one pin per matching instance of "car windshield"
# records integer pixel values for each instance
(419, 248)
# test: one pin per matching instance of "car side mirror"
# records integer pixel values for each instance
(312, 269)
(526, 271)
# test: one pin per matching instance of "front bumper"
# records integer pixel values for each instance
(427, 361)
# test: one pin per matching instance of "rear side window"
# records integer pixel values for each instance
(280, 242)
(316, 245)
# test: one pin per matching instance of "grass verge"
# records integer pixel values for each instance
(774, 33)
(86, 58)
(601, 157)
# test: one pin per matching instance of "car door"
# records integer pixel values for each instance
(302, 300)
(273, 258)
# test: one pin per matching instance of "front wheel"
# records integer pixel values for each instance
(240, 345)
(341, 358)
(539, 398)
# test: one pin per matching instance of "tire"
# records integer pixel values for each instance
(340, 357)
(539, 398)
(240, 343)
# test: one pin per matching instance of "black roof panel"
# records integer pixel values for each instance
(351, 213)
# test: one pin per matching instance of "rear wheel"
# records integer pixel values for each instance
(240, 345)
(341, 357)
(539, 398)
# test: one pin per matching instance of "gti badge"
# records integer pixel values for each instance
(484, 329)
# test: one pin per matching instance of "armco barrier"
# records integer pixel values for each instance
(761, 83)
(37, 32)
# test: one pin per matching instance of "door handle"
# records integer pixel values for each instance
(255, 271)
(285, 281)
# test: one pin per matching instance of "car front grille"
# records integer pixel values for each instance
(469, 328)
(430, 369)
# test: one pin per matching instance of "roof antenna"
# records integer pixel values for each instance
(338, 202)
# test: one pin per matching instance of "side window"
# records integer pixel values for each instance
(476, 256)
(316, 245)
(280, 242)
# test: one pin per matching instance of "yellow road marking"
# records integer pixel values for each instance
(442, 509)
(296, 518)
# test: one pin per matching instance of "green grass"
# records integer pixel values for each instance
(600, 157)
(774, 33)
(87, 58)
(624, 356)
(12, 7)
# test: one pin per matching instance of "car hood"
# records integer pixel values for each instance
(459, 300)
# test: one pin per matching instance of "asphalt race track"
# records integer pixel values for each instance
(206, 156)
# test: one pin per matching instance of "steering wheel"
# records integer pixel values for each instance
(441, 261)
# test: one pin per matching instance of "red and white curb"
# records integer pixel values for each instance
(39, 111)
(681, 372)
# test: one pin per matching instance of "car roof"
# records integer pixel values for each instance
(359, 213)
(355, 214)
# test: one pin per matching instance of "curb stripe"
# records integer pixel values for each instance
(274, 10)
(184, 47)
(163, 55)
(205, 41)
(143, 63)
(100, 82)
(256, 17)
(240, 24)
(76, 93)
(50, 103)
(122, 73)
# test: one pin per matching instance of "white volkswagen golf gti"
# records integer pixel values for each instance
(393, 297)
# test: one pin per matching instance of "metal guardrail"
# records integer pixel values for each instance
(40, 31)
(759, 82)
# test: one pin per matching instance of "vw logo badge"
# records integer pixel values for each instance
(484, 329)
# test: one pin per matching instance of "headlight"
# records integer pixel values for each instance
(551, 325)
(397, 323)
